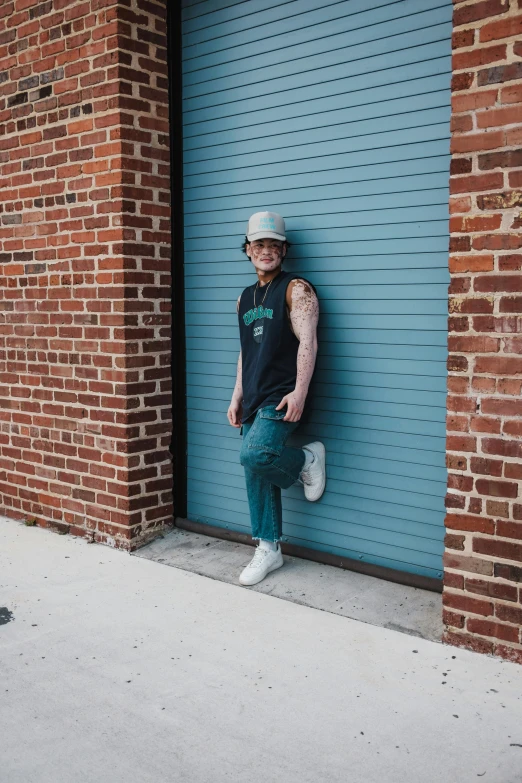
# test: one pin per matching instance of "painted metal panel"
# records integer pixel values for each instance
(336, 115)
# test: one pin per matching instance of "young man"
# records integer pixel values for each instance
(278, 318)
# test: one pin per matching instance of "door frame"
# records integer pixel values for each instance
(178, 446)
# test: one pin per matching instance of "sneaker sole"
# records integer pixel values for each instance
(272, 568)
(321, 455)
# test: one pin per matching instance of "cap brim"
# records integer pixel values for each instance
(265, 235)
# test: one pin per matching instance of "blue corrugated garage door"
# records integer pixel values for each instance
(336, 115)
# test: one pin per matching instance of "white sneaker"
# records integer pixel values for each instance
(313, 475)
(263, 562)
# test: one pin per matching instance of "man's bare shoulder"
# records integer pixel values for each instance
(299, 291)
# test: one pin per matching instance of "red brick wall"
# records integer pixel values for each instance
(84, 267)
(483, 568)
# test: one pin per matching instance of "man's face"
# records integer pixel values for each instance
(266, 254)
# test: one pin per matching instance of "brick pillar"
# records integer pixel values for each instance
(84, 267)
(483, 568)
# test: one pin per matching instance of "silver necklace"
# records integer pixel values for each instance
(255, 289)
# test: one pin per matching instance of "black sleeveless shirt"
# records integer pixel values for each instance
(268, 345)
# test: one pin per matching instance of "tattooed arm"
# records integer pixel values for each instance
(304, 316)
(236, 404)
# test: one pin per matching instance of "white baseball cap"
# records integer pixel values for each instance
(266, 225)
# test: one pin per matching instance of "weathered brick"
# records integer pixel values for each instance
(451, 541)
(511, 572)
(500, 160)
(511, 304)
(468, 101)
(511, 94)
(507, 200)
(453, 619)
(502, 407)
(466, 603)
(477, 142)
(494, 548)
(475, 183)
(512, 654)
(30, 81)
(498, 489)
(478, 56)
(461, 81)
(474, 224)
(501, 28)
(41, 9)
(52, 76)
(16, 100)
(475, 505)
(499, 74)
(461, 166)
(472, 344)
(472, 565)
(509, 529)
(497, 242)
(469, 522)
(491, 588)
(461, 443)
(472, 263)
(512, 428)
(492, 283)
(463, 38)
(469, 642)
(454, 580)
(455, 501)
(502, 448)
(511, 614)
(478, 11)
(498, 365)
(484, 424)
(507, 633)
(486, 467)
(513, 470)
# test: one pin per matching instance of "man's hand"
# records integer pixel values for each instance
(295, 404)
(234, 412)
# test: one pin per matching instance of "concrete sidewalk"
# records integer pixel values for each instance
(350, 594)
(116, 668)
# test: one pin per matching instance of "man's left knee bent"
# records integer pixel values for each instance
(256, 458)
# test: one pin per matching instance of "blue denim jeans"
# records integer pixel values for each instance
(270, 465)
